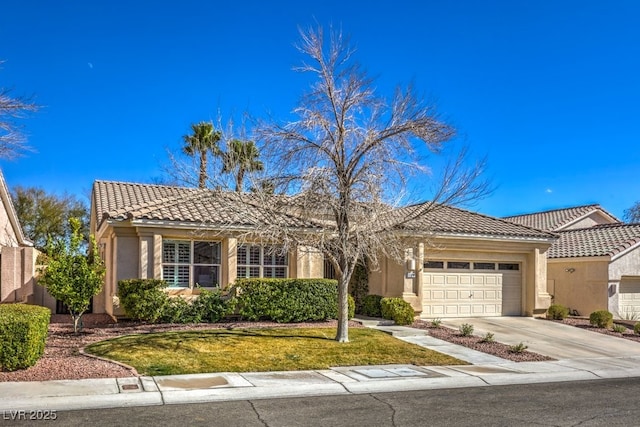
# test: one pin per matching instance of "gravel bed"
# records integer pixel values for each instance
(62, 359)
(475, 342)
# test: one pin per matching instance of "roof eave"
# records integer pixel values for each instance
(474, 236)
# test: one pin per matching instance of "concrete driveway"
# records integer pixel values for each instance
(549, 338)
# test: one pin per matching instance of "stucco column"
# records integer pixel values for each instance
(229, 262)
(157, 256)
(543, 298)
(411, 258)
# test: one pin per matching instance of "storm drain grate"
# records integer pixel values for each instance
(130, 387)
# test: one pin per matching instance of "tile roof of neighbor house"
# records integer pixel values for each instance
(131, 201)
(123, 201)
(444, 219)
(555, 220)
(599, 240)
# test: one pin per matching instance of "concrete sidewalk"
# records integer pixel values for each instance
(485, 371)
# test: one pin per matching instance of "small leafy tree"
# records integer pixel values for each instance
(72, 276)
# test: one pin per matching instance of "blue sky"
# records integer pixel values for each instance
(547, 90)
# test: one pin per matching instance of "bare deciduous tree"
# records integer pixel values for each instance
(346, 160)
(12, 140)
(632, 215)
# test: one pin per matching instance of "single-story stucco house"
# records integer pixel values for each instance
(458, 263)
(595, 264)
(17, 254)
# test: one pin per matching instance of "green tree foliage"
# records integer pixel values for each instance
(241, 157)
(202, 141)
(46, 216)
(72, 276)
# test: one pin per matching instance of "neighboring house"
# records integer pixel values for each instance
(458, 263)
(17, 254)
(595, 264)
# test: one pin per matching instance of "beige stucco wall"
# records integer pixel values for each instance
(579, 283)
(136, 252)
(17, 271)
(7, 233)
(592, 219)
(391, 280)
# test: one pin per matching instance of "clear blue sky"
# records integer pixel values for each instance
(549, 91)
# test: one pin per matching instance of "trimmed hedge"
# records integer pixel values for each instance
(288, 300)
(23, 333)
(398, 310)
(601, 319)
(144, 299)
(371, 306)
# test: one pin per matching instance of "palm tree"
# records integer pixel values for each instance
(203, 140)
(241, 157)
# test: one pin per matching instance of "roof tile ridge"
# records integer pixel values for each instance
(592, 205)
(142, 184)
(505, 221)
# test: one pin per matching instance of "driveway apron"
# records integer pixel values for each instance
(549, 338)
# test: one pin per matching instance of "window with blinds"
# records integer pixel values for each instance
(191, 263)
(262, 261)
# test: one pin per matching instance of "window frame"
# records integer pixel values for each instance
(245, 270)
(191, 264)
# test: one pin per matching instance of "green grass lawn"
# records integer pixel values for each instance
(255, 350)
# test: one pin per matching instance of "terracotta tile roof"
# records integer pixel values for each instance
(554, 220)
(124, 201)
(599, 240)
(446, 219)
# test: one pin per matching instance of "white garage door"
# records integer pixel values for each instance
(629, 299)
(471, 289)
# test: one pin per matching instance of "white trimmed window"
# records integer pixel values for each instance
(188, 263)
(262, 261)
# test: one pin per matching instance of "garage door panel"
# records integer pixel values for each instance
(629, 299)
(471, 294)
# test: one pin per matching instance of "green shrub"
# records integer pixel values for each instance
(210, 307)
(601, 319)
(287, 300)
(143, 299)
(488, 338)
(179, 310)
(359, 286)
(398, 310)
(518, 348)
(466, 330)
(436, 323)
(371, 306)
(621, 329)
(636, 328)
(23, 333)
(557, 312)
(352, 306)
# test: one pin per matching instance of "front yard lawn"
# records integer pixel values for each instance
(256, 350)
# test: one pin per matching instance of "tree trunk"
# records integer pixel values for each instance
(202, 178)
(342, 334)
(239, 179)
(77, 324)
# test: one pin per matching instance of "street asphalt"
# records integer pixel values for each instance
(581, 355)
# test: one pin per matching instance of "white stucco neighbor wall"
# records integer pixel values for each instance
(628, 264)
